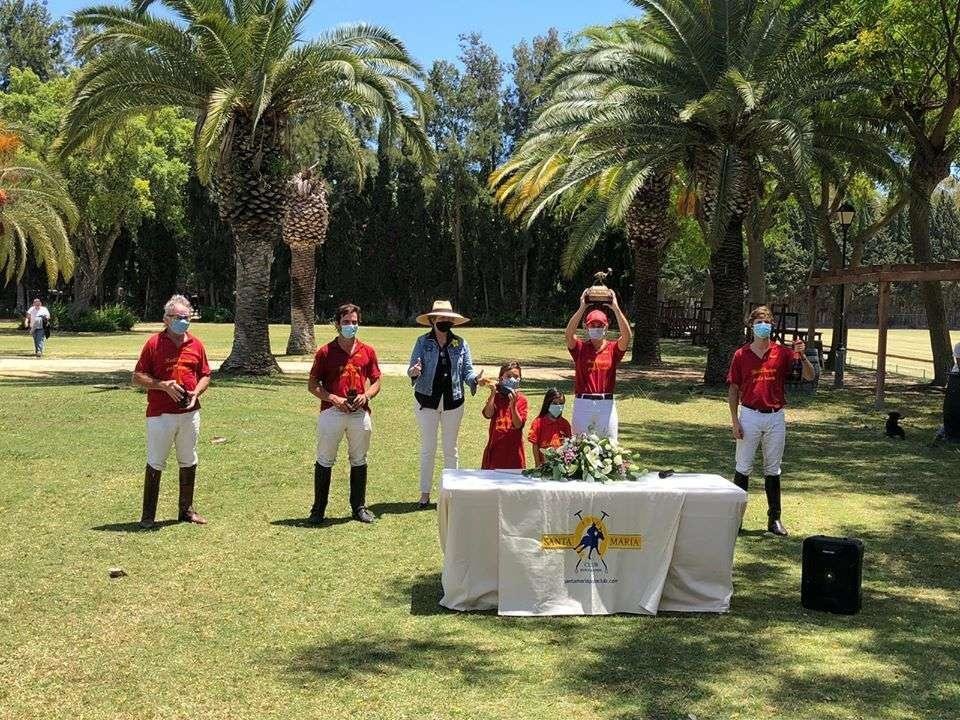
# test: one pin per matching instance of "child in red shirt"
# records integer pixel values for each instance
(550, 427)
(506, 409)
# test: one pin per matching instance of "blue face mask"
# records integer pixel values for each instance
(349, 331)
(510, 383)
(596, 333)
(179, 326)
(556, 410)
(762, 330)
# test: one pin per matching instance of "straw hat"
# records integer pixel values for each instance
(442, 309)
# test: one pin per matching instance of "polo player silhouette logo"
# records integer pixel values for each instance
(592, 532)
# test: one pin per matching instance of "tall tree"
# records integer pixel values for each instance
(30, 39)
(911, 50)
(246, 75)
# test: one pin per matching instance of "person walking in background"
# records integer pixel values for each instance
(440, 365)
(595, 364)
(550, 428)
(506, 409)
(756, 379)
(345, 376)
(37, 321)
(174, 370)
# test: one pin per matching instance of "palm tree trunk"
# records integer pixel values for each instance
(726, 319)
(647, 263)
(303, 283)
(649, 228)
(250, 353)
(756, 272)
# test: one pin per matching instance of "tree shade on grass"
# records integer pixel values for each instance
(258, 616)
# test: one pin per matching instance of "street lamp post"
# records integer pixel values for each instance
(845, 215)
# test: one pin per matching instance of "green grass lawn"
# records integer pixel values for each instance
(905, 342)
(537, 346)
(257, 616)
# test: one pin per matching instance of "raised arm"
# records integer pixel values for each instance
(626, 334)
(571, 331)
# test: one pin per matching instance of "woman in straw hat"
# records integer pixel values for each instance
(440, 364)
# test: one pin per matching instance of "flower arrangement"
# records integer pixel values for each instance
(589, 458)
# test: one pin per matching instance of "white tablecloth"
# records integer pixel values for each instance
(699, 577)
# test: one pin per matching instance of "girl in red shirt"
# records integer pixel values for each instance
(550, 427)
(506, 409)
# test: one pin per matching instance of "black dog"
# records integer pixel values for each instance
(893, 426)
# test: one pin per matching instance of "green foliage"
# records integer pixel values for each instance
(107, 319)
(216, 314)
(31, 39)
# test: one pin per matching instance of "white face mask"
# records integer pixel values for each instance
(596, 333)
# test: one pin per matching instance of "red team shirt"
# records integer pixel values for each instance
(161, 359)
(337, 372)
(504, 449)
(549, 432)
(596, 370)
(761, 380)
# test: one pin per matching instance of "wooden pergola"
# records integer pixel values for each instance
(884, 275)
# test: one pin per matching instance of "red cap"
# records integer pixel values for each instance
(597, 316)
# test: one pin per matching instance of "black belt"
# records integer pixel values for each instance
(766, 411)
(602, 396)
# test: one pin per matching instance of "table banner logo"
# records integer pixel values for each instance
(591, 540)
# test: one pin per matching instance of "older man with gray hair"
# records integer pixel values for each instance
(174, 370)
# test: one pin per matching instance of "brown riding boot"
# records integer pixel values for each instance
(151, 493)
(188, 477)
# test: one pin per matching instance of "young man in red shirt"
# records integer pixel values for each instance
(174, 370)
(345, 376)
(595, 363)
(756, 381)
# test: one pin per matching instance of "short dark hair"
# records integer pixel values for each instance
(762, 313)
(346, 309)
(510, 365)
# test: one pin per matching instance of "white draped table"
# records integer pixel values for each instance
(522, 546)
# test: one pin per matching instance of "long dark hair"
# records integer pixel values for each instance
(552, 395)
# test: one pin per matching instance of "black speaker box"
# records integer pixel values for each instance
(832, 574)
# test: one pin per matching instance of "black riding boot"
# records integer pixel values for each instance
(358, 494)
(188, 479)
(772, 485)
(151, 493)
(321, 491)
(743, 482)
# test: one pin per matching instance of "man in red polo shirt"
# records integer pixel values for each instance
(756, 381)
(173, 368)
(345, 376)
(595, 368)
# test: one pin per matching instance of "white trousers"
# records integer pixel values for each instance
(430, 422)
(165, 431)
(332, 425)
(766, 430)
(595, 416)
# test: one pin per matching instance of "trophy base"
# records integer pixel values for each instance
(599, 296)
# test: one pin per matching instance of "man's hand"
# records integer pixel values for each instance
(193, 400)
(737, 430)
(613, 304)
(340, 403)
(415, 370)
(583, 298)
(800, 347)
(359, 402)
(171, 388)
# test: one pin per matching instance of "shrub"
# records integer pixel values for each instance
(111, 318)
(216, 314)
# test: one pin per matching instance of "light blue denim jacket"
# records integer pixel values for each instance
(427, 351)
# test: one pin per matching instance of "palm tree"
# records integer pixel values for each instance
(720, 87)
(36, 213)
(304, 230)
(577, 157)
(242, 69)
